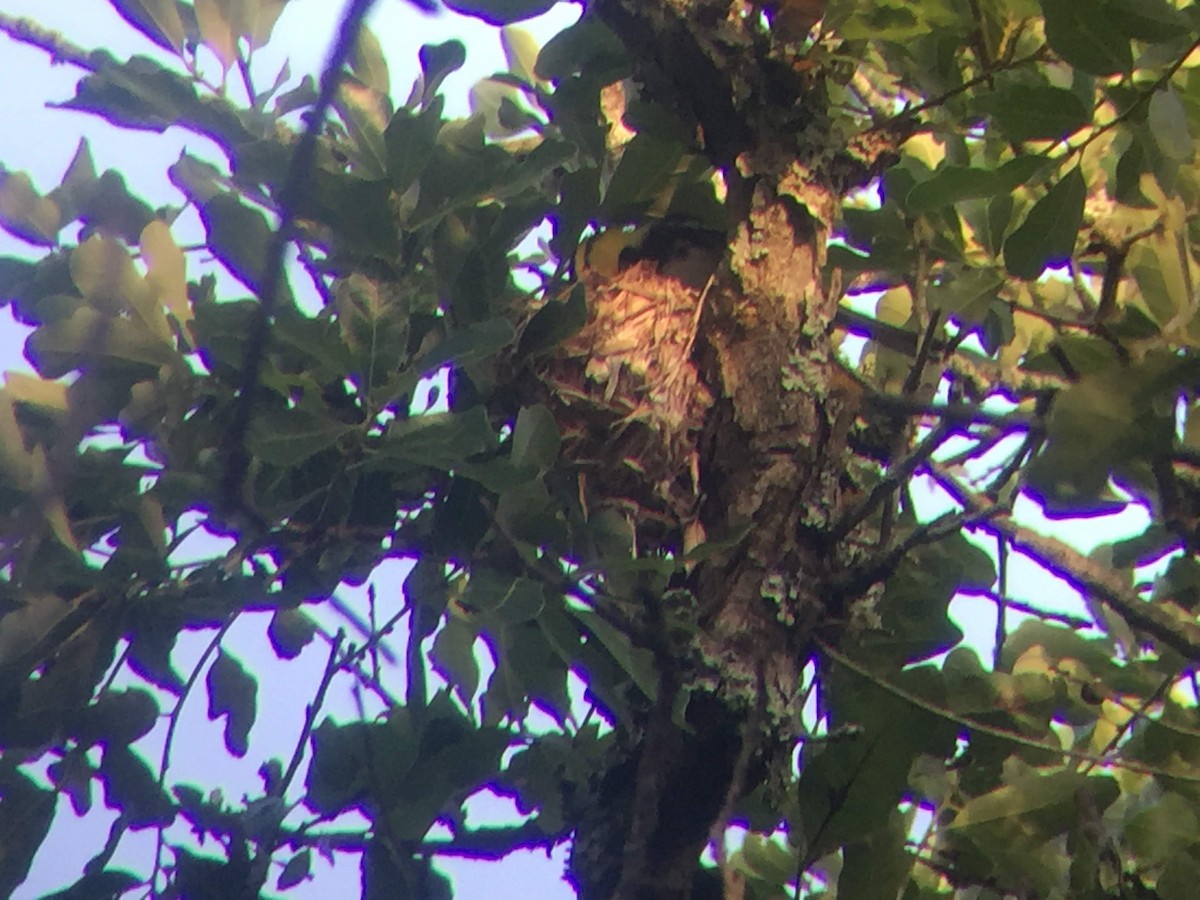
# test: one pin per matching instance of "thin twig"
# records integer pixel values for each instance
(310, 716)
(1135, 716)
(1003, 734)
(1076, 622)
(898, 473)
(172, 723)
(1086, 575)
(1001, 599)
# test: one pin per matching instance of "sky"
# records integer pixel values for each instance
(43, 145)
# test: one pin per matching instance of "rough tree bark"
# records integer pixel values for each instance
(757, 456)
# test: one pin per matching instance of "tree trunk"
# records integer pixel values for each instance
(766, 443)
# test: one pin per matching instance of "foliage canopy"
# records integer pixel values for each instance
(661, 465)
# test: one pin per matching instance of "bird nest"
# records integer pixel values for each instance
(631, 401)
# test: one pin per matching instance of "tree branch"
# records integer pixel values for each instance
(1003, 734)
(1085, 575)
(237, 461)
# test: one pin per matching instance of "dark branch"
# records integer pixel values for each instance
(1084, 574)
(238, 459)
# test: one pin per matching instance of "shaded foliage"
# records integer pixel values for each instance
(658, 469)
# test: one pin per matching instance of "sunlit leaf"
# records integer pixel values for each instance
(368, 63)
(217, 31)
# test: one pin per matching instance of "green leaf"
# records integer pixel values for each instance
(1037, 112)
(258, 20)
(166, 270)
(290, 631)
(410, 141)
(1052, 795)
(636, 662)
(25, 213)
(478, 341)
(296, 870)
(130, 786)
(878, 867)
(73, 776)
(521, 52)
(503, 598)
(141, 93)
(645, 169)
(1163, 829)
(1047, 236)
(239, 236)
(287, 437)
(1179, 878)
(104, 273)
(159, 20)
(106, 883)
(966, 296)
(1147, 20)
(119, 716)
(358, 210)
(368, 63)
(218, 31)
(500, 12)
(337, 775)
(556, 321)
(438, 61)
(587, 46)
(78, 184)
(949, 185)
(26, 813)
(232, 692)
(384, 879)
(439, 439)
(365, 112)
(88, 338)
(1168, 122)
(1081, 32)
(453, 657)
(1109, 420)
(849, 787)
(536, 440)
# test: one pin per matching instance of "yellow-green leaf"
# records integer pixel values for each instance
(26, 213)
(368, 63)
(166, 270)
(217, 31)
(49, 396)
(104, 273)
(521, 50)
